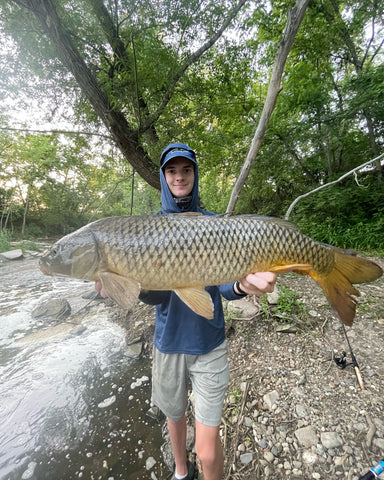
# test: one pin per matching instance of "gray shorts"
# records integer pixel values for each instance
(209, 375)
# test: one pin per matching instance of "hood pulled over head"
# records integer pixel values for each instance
(176, 150)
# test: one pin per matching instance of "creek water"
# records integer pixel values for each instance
(73, 402)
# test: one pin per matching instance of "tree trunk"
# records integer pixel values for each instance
(294, 20)
(9, 215)
(126, 138)
(25, 214)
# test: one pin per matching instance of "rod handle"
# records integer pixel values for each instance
(368, 476)
(374, 472)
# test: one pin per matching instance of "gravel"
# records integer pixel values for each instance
(291, 412)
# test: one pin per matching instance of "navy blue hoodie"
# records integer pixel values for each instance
(177, 328)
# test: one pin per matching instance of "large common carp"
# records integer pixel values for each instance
(185, 253)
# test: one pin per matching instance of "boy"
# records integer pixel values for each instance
(187, 345)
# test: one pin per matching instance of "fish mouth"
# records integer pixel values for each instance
(43, 269)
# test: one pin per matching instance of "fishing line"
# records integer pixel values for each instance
(93, 298)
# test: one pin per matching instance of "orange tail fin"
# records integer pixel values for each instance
(337, 285)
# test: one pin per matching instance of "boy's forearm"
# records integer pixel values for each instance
(229, 291)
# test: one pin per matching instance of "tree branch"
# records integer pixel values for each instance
(120, 52)
(344, 34)
(64, 132)
(377, 50)
(194, 57)
(294, 154)
(289, 211)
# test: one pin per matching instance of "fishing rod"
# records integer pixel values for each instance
(374, 472)
(341, 361)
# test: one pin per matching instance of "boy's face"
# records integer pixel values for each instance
(180, 175)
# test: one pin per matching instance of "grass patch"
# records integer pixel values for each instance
(5, 244)
(288, 308)
(27, 245)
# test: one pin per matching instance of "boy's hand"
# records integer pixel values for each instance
(258, 283)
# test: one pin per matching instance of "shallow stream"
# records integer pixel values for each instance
(73, 402)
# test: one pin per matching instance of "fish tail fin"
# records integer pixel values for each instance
(337, 285)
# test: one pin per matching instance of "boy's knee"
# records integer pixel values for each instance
(206, 457)
(207, 452)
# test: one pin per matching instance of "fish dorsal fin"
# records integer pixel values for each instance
(189, 214)
(278, 221)
(122, 290)
(198, 299)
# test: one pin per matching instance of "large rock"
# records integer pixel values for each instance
(273, 298)
(306, 436)
(246, 458)
(52, 309)
(243, 308)
(271, 398)
(331, 440)
(13, 254)
(134, 348)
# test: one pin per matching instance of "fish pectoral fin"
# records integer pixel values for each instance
(122, 290)
(294, 267)
(198, 299)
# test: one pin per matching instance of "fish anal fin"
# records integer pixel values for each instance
(303, 268)
(197, 299)
(122, 290)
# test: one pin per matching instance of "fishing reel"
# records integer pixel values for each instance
(341, 360)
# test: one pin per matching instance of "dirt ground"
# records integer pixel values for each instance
(314, 392)
(295, 408)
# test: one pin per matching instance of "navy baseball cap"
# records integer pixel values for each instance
(177, 150)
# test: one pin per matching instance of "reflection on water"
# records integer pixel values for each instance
(70, 403)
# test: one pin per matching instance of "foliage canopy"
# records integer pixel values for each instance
(144, 74)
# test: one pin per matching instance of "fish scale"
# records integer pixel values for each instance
(186, 253)
(205, 240)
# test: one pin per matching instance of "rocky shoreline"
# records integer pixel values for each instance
(291, 411)
(297, 414)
